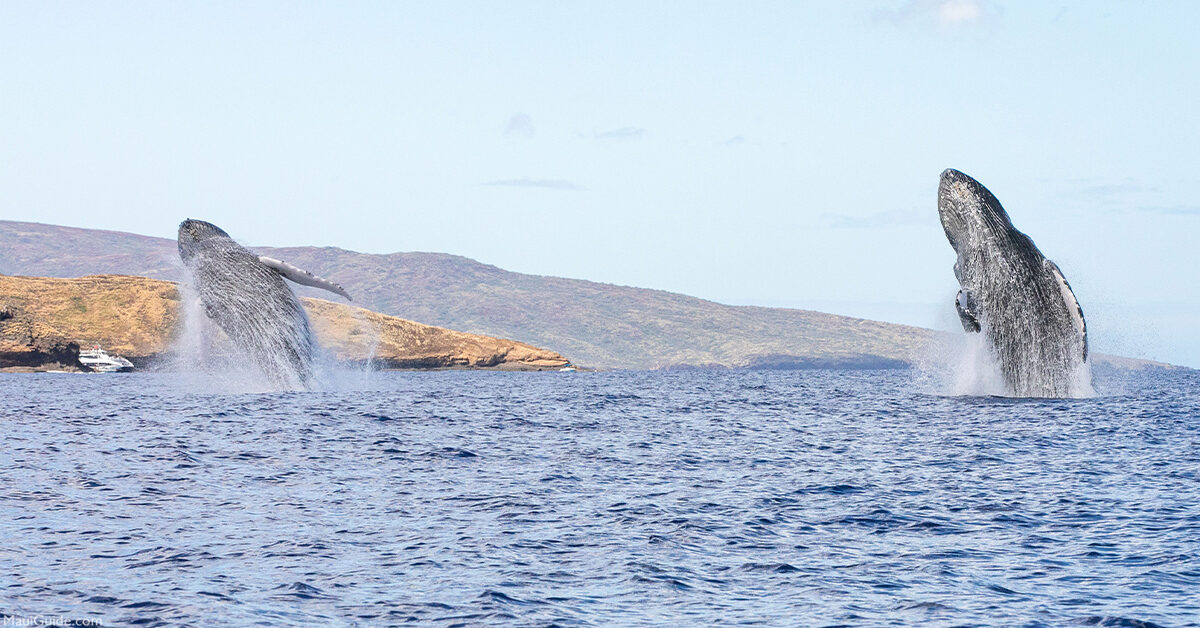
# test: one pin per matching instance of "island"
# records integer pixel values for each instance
(45, 320)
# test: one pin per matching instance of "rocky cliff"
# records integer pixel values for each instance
(43, 321)
(26, 345)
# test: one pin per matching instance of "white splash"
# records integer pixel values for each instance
(964, 365)
(977, 371)
(959, 365)
(206, 360)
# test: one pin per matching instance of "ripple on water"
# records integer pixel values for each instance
(813, 498)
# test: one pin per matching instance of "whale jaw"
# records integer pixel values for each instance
(969, 211)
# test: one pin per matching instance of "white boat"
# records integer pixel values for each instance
(96, 359)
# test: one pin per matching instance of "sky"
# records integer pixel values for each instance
(765, 153)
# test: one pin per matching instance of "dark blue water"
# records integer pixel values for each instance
(456, 498)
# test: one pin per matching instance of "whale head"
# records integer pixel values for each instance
(193, 232)
(969, 212)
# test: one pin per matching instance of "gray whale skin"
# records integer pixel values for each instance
(246, 296)
(1013, 295)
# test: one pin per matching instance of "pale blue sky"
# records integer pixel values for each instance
(751, 153)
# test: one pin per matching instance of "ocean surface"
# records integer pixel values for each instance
(625, 498)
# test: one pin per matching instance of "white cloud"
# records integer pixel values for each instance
(623, 133)
(545, 184)
(520, 125)
(959, 11)
(944, 13)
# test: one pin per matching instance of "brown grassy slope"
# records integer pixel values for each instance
(352, 332)
(600, 324)
(136, 317)
(130, 316)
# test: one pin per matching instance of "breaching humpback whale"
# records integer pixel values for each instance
(245, 295)
(1013, 295)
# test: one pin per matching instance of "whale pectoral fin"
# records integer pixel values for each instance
(1073, 308)
(303, 277)
(968, 313)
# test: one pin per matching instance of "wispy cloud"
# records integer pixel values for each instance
(891, 218)
(545, 184)
(623, 133)
(944, 13)
(1123, 196)
(733, 141)
(1113, 191)
(520, 125)
(1177, 210)
(1120, 195)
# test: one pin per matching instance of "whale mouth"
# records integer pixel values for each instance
(968, 210)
